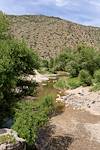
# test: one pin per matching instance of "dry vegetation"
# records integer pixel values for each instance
(49, 35)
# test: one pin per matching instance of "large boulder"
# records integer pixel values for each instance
(9, 140)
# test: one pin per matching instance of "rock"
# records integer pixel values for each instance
(15, 144)
(93, 102)
(81, 92)
(88, 106)
(44, 84)
(64, 98)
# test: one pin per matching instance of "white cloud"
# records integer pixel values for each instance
(61, 3)
(81, 11)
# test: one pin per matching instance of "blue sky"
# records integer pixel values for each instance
(81, 11)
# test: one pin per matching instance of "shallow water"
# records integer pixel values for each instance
(46, 88)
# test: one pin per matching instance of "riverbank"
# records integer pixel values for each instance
(82, 99)
(76, 128)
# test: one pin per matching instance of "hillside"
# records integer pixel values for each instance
(50, 35)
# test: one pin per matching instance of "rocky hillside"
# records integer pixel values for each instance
(50, 35)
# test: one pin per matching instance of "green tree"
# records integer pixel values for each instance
(87, 58)
(85, 77)
(15, 60)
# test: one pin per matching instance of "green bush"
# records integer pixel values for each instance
(96, 81)
(61, 83)
(31, 116)
(45, 63)
(74, 83)
(85, 77)
(73, 68)
(7, 138)
(97, 76)
(3, 25)
(62, 60)
(96, 87)
(87, 58)
(67, 83)
(15, 60)
(73, 61)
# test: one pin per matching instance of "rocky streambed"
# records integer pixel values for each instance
(80, 121)
(82, 99)
(78, 127)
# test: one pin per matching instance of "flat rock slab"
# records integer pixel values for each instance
(83, 126)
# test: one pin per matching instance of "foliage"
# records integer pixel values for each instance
(7, 138)
(45, 63)
(73, 61)
(68, 83)
(85, 77)
(26, 87)
(3, 25)
(31, 116)
(96, 87)
(74, 82)
(61, 83)
(15, 60)
(88, 58)
(62, 60)
(81, 64)
(97, 76)
(96, 81)
(73, 67)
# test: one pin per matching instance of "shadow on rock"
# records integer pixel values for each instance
(48, 141)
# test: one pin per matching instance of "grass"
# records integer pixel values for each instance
(73, 83)
(96, 87)
(61, 83)
(67, 83)
(7, 139)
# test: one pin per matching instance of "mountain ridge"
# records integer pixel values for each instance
(49, 35)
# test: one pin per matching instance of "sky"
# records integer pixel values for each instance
(86, 12)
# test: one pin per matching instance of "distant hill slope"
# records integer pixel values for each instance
(50, 35)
